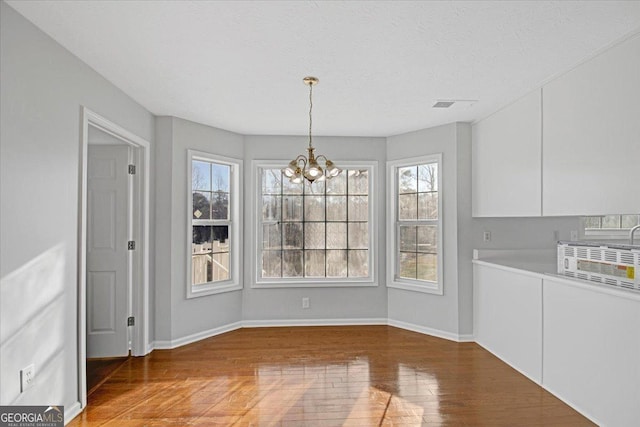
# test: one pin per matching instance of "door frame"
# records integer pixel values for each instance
(140, 292)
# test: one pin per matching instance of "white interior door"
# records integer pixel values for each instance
(107, 252)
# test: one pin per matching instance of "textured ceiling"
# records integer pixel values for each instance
(382, 65)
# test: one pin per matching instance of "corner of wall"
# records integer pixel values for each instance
(465, 229)
(162, 212)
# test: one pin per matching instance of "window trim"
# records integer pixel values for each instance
(234, 282)
(315, 282)
(393, 280)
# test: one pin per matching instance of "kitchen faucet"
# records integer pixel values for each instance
(633, 230)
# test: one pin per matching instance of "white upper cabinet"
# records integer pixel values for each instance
(591, 136)
(507, 154)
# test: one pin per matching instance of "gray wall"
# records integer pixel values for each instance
(325, 303)
(465, 229)
(43, 89)
(186, 316)
(442, 312)
(523, 233)
(162, 232)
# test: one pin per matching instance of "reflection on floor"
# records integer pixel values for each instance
(323, 376)
(99, 370)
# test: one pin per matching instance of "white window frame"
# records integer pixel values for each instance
(315, 282)
(393, 278)
(234, 282)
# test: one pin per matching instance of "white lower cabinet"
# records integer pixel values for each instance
(579, 341)
(508, 317)
(591, 355)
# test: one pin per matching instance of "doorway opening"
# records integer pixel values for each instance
(113, 294)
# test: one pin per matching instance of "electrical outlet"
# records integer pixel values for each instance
(574, 235)
(305, 302)
(27, 377)
(486, 236)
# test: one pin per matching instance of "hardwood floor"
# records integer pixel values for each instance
(99, 370)
(323, 376)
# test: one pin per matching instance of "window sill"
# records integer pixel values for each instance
(621, 235)
(204, 290)
(323, 284)
(414, 287)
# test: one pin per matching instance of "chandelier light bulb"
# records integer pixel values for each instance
(332, 171)
(290, 170)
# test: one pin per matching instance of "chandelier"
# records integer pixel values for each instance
(307, 166)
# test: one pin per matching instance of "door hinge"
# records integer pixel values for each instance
(131, 321)
(132, 169)
(131, 245)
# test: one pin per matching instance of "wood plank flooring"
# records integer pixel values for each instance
(323, 376)
(99, 370)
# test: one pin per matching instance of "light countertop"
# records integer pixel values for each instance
(541, 263)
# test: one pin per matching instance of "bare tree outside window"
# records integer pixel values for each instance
(621, 222)
(418, 222)
(609, 226)
(318, 230)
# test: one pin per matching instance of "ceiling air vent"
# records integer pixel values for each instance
(454, 104)
(443, 104)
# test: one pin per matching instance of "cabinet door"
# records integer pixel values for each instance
(591, 352)
(506, 165)
(508, 317)
(591, 136)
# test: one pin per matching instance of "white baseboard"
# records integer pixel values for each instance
(430, 331)
(170, 344)
(312, 322)
(466, 338)
(71, 412)
(179, 342)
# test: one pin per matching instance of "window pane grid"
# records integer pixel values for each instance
(323, 248)
(210, 222)
(612, 222)
(417, 222)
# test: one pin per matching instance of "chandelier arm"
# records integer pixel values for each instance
(303, 159)
(322, 156)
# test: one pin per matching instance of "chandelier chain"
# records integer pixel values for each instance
(310, 109)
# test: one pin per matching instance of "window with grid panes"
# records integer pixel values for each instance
(314, 232)
(609, 226)
(415, 218)
(214, 211)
